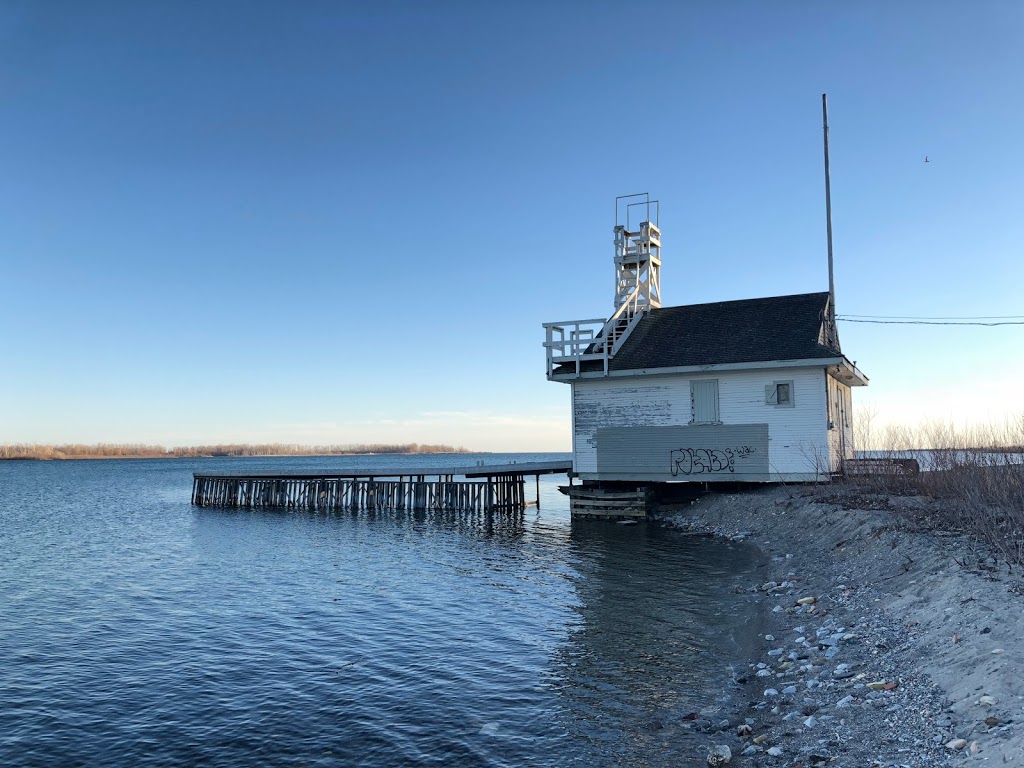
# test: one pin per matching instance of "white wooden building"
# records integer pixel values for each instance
(754, 390)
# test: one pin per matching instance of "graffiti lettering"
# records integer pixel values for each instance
(695, 461)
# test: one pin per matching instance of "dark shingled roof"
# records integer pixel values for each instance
(751, 330)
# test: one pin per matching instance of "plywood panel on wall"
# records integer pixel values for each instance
(699, 452)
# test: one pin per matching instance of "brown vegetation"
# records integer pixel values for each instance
(975, 476)
(139, 450)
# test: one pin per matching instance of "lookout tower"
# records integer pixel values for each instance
(637, 255)
(637, 290)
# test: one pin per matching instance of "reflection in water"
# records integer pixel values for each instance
(501, 524)
(659, 622)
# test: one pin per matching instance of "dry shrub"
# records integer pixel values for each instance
(975, 474)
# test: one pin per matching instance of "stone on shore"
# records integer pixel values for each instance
(719, 755)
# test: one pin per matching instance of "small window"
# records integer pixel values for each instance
(779, 394)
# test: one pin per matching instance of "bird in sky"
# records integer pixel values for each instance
(926, 159)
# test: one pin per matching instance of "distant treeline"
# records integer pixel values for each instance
(139, 450)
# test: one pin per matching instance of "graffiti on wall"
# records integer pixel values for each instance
(696, 461)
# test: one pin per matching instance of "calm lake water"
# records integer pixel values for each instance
(137, 630)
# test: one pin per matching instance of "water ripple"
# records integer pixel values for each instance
(137, 630)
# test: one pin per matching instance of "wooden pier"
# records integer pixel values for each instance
(481, 488)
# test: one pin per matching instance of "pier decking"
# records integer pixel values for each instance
(486, 488)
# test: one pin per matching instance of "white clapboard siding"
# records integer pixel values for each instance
(798, 443)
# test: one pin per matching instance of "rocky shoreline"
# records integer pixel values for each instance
(888, 644)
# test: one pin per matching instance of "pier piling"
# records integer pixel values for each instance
(483, 489)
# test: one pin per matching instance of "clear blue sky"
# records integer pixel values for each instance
(344, 222)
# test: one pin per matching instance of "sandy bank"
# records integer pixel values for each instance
(911, 653)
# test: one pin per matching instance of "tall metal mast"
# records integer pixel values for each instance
(828, 217)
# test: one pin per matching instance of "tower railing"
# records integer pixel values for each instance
(638, 264)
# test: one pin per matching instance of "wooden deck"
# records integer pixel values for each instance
(500, 487)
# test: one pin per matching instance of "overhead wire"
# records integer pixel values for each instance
(848, 319)
(936, 317)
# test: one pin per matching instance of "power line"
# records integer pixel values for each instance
(928, 322)
(938, 317)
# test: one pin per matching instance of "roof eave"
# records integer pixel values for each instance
(848, 373)
(809, 362)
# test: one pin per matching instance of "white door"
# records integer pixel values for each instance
(704, 400)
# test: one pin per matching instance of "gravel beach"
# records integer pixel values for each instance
(887, 644)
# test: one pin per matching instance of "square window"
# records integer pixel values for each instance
(779, 393)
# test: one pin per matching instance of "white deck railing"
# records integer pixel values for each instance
(577, 341)
(574, 342)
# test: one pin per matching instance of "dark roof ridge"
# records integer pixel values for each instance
(823, 294)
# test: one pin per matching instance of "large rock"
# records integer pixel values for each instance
(720, 755)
